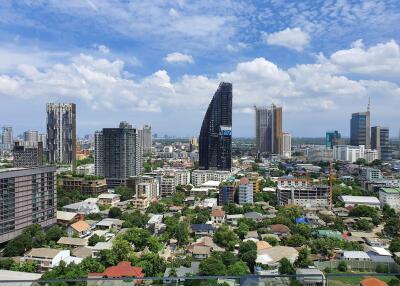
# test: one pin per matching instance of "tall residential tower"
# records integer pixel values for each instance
(215, 141)
(269, 130)
(61, 133)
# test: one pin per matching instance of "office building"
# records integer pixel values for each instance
(320, 154)
(7, 138)
(28, 196)
(332, 138)
(117, 154)
(245, 192)
(28, 156)
(215, 141)
(380, 142)
(309, 196)
(31, 136)
(347, 153)
(61, 133)
(133, 182)
(193, 144)
(287, 146)
(360, 129)
(370, 155)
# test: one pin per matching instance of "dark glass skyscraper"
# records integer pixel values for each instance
(380, 142)
(332, 138)
(215, 141)
(360, 130)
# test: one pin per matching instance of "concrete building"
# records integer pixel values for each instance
(154, 183)
(48, 258)
(199, 177)
(145, 194)
(380, 142)
(28, 156)
(319, 153)
(391, 197)
(245, 192)
(269, 130)
(85, 185)
(28, 196)
(370, 174)
(314, 196)
(332, 138)
(292, 182)
(360, 200)
(7, 136)
(108, 199)
(147, 140)
(61, 133)
(360, 129)
(370, 155)
(227, 194)
(86, 169)
(118, 154)
(31, 136)
(287, 145)
(167, 186)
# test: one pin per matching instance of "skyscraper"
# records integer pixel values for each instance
(286, 145)
(269, 130)
(61, 133)
(332, 138)
(360, 131)
(215, 141)
(117, 154)
(380, 142)
(146, 138)
(7, 136)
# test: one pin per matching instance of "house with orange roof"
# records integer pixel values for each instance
(80, 228)
(217, 216)
(124, 269)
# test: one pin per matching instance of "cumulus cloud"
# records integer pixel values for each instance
(291, 38)
(179, 58)
(102, 48)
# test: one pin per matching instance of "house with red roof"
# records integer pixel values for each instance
(124, 269)
(217, 216)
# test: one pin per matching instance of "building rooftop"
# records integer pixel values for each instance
(42, 252)
(391, 190)
(355, 255)
(80, 226)
(122, 269)
(217, 213)
(66, 216)
(360, 200)
(72, 241)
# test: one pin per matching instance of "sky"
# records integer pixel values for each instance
(159, 62)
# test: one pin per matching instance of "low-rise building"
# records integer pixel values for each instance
(245, 191)
(360, 200)
(88, 206)
(217, 216)
(167, 186)
(313, 196)
(89, 185)
(108, 199)
(48, 258)
(80, 229)
(67, 218)
(203, 229)
(122, 270)
(390, 197)
(199, 177)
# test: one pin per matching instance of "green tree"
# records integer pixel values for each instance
(248, 253)
(342, 267)
(122, 250)
(31, 267)
(302, 260)
(152, 263)
(285, 267)
(227, 257)
(90, 264)
(212, 266)
(363, 225)
(395, 245)
(225, 237)
(95, 239)
(296, 240)
(394, 282)
(134, 219)
(271, 240)
(114, 212)
(392, 227)
(238, 268)
(125, 193)
(54, 233)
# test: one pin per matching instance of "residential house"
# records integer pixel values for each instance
(233, 219)
(201, 252)
(108, 199)
(72, 241)
(217, 216)
(123, 269)
(354, 255)
(310, 276)
(67, 218)
(254, 216)
(80, 228)
(48, 258)
(271, 256)
(88, 206)
(203, 229)
(280, 230)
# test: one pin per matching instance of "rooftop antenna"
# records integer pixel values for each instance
(369, 104)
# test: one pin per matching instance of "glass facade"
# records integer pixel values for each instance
(332, 138)
(360, 133)
(215, 141)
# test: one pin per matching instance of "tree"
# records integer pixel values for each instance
(286, 267)
(363, 225)
(394, 282)
(54, 233)
(125, 193)
(152, 264)
(94, 239)
(238, 268)
(296, 240)
(90, 264)
(227, 257)
(63, 271)
(242, 230)
(361, 161)
(225, 237)
(271, 240)
(114, 212)
(302, 260)
(212, 266)
(134, 219)
(31, 267)
(395, 245)
(122, 250)
(388, 212)
(342, 266)
(392, 227)
(248, 253)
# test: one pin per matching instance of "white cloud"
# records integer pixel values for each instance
(236, 47)
(179, 58)
(102, 48)
(291, 38)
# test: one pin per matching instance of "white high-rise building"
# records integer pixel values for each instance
(348, 153)
(7, 136)
(61, 133)
(245, 191)
(287, 145)
(147, 140)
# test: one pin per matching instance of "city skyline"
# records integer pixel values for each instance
(319, 62)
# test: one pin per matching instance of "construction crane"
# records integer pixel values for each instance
(331, 178)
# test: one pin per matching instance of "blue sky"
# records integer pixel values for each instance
(159, 62)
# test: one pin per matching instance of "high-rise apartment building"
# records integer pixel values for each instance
(360, 129)
(269, 130)
(245, 191)
(28, 196)
(28, 155)
(117, 154)
(31, 136)
(146, 138)
(61, 133)
(332, 138)
(215, 141)
(287, 146)
(380, 142)
(7, 137)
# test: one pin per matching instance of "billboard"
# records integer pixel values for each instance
(225, 130)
